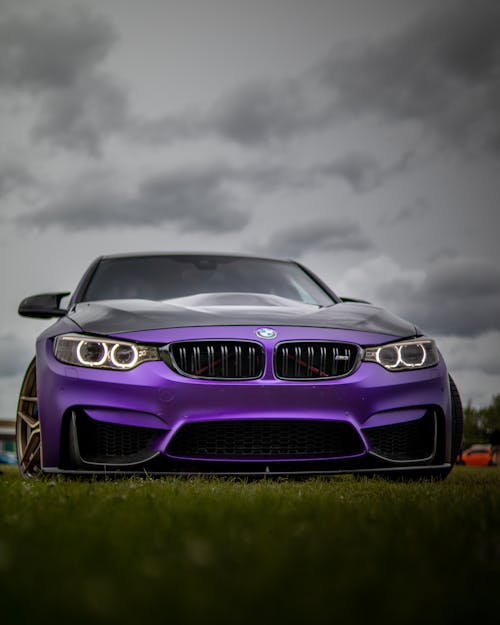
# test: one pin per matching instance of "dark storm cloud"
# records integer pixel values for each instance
(208, 199)
(255, 114)
(261, 112)
(181, 127)
(251, 115)
(194, 200)
(13, 177)
(197, 200)
(458, 297)
(330, 236)
(443, 70)
(16, 355)
(80, 117)
(55, 56)
(473, 354)
(51, 49)
(415, 209)
(362, 171)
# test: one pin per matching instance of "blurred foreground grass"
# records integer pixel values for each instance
(208, 550)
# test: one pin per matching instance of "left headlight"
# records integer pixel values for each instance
(97, 353)
(404, 355)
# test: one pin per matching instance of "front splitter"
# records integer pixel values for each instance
(254, 474)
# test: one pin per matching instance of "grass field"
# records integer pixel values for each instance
(208, 550)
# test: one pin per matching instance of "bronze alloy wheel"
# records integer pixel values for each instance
(28, 441)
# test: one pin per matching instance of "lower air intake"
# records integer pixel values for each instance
(265, 440)
(110, 443)
(412, 440)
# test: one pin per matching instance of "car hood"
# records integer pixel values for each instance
(233, 309)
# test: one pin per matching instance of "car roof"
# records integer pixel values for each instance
(194, 253)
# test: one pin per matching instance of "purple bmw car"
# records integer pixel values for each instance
(233, 365)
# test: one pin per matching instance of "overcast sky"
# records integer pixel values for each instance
(359, 136)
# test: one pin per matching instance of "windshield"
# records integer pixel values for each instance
(168, 277)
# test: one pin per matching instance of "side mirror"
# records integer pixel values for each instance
(42, 306)
(352, 299)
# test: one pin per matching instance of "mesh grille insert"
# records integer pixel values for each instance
(232, 360)
(314, 360)
(265, 439)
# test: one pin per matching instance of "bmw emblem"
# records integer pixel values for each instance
(266, 333)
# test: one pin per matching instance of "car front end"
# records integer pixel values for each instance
(233, 400)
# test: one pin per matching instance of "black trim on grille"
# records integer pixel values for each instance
(261, 439)
(315, 360)
(215, 360)
(101, 442)
(404, 442)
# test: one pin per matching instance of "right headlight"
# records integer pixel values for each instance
(404, 355)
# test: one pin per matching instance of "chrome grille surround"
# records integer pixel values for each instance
(218, 359)
(315, 360)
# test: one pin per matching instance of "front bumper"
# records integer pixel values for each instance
(156, 402)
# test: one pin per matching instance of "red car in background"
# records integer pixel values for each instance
(477, 455)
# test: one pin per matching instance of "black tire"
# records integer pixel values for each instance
(457, 422)
(28, 439)
(457, 431)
